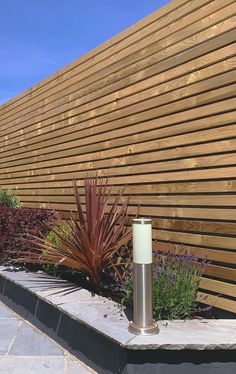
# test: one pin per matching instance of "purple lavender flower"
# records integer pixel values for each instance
(158, 271)
(172, 278)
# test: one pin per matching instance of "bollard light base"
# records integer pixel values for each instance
(148, 330)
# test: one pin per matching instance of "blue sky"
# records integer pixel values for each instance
(38, 37)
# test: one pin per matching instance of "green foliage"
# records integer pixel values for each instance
(175, 283)
(9, 199)
(53, 238)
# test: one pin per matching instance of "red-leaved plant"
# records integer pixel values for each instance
(15, 223)
(93, 240)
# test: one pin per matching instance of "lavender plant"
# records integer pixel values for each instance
(176, 279)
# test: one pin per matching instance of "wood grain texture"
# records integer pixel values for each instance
(153, 108)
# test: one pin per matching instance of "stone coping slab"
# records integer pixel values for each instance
(105, 317)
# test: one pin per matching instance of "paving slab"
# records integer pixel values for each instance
(25, 349)
(105, 317)
(73, 367)
(31, 342)
(200, 334)
(8, 330)
(25, 365)
(32, 281)
(69, 294)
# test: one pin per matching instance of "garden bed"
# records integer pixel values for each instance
(94, 329)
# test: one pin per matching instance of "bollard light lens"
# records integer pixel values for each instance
(142, 241)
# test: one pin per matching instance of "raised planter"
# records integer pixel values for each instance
(93, 329)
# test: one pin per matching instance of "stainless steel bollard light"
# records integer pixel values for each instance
(142, 323)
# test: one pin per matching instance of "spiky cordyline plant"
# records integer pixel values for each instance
(93, 240)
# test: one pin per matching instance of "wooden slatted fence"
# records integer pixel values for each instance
(153, 108)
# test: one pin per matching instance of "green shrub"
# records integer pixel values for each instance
(53, 238)
(175, 283)
(9, 199)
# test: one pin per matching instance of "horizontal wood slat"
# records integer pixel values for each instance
(154, 109)
(218, 286)
(193, 200)
(177, 212)
(211, 254)
(131, 94)
(200, 187)
(217, 301)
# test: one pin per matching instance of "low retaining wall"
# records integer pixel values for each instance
(95, 330)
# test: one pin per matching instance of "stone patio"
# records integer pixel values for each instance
(25, 349)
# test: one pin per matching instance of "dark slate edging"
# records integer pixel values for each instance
(101, 353)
